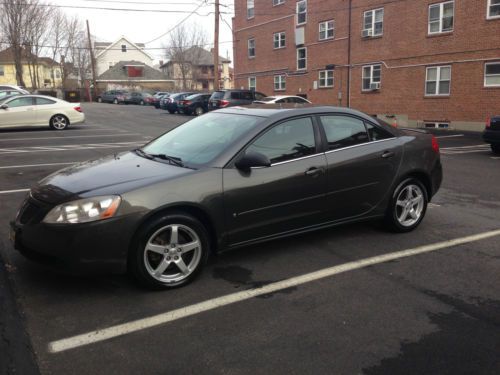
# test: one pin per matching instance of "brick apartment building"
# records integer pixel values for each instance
(421, 63)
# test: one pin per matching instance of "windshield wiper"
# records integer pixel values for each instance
(171, 159)
(141, 152)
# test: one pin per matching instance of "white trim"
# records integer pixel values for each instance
(297, 159)
(441, 17)
(326, 71)
(297, 13)
(255, 80)
(279, 33)
(248, 48)
(438, 80)
(373, 12)
(305, 59)
(326, 30)
(485, 65)
(371, 66)
(116, 42)
(359, 145)
(488, 6)
(281, 82)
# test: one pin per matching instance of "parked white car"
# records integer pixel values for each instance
(14, 87)
(39, 110)
(281, 99)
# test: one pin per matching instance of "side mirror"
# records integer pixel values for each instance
(4, 106)
(252, 159)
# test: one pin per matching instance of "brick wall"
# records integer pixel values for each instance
(404, 51)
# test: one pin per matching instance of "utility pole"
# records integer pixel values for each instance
(92, 61)
(216, 47)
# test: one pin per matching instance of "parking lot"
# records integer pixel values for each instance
(335, 303)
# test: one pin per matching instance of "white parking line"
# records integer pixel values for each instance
(145, 323)
(13, 191)
(70, 137)
(36, 165)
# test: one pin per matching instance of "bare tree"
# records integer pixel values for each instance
(16, 19)
(184, 49)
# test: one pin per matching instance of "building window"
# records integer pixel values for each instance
(374, 21)
(441, 17)
(2, 70)
(301, 58)
(326, 78)
(437, 80)
(279, 40)
(251, 47)
(124, 48)
(437, 125)
(326, 30)
(491, 74)
(280, 83)
(371, 77)
(301, 12)
(278, 2)
(250, 9)
(252, 83)
(493, 9)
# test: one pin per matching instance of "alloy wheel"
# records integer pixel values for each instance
(409, 205)
(59, 122)
(172, 253)
(198, 111)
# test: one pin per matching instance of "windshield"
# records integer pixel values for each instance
(201, 140)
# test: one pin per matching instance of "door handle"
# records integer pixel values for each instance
(313, 171)
(387, 154)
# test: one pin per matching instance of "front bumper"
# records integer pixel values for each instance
(491, 136)
(96, 247)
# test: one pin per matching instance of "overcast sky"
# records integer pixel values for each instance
(142, 27)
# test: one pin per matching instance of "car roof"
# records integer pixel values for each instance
(281, 112)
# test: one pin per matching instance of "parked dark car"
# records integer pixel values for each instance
(223, 180)
(157, 97)
(196, 104)
(113, 96)
(141, 98)
(231, 98)
(491, 134)
(172, 102)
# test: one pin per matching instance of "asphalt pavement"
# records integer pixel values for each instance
(433, 312)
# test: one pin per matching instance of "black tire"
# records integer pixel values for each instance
(115, 101)
(141, 269)
(59, 122)
(495, 148)
(171, 111)
(396, 210)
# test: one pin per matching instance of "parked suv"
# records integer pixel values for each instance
(112, 96)
(231, 98)
(196, 104)
(491, 134)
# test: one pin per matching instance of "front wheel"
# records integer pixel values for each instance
(115, 101)
(198, 111)
(495, 148)
(59, 122)
(408, 206)
(169, 252)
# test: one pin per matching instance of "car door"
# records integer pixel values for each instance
(288, 195)
(20, 111)
(362, 163)
(44, 109)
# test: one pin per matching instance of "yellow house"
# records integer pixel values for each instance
(38, 72)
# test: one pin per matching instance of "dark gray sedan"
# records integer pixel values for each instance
(223, 180)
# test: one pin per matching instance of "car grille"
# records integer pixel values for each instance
(30, 212)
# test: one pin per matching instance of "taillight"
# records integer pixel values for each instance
(187, 102)
(78, 109)
(223, 103)
(488, 123)
(435, 144)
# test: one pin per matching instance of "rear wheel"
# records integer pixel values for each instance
(199, 111)
(495, 147)
(408, 206)
(141, 102)
(59, 122)
(169, 252)
(115, 101)
(171, 111)
(99, 100)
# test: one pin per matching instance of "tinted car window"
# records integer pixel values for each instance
(235, 95)
(20, 102)
(218, 95)
(377, 133)
(43, 101)
(289, 140)
(246, 95)
(343, 131)
(201, 140)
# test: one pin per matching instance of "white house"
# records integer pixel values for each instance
(108, 54)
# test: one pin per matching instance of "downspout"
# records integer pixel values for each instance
(349, 57)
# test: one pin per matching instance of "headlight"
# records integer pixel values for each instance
(84, 210)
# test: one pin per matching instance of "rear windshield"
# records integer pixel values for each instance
(218, 95)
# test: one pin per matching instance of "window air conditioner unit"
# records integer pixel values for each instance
(375, 86)
(367, 33)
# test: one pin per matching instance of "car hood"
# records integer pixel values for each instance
(113, 174)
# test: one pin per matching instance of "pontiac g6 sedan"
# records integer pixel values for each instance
(230, 178)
